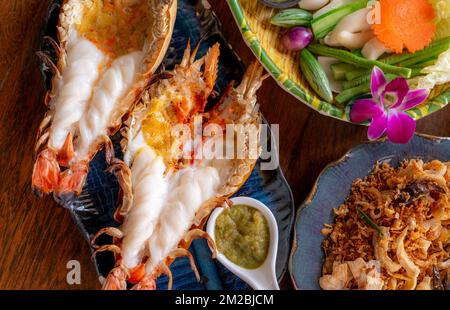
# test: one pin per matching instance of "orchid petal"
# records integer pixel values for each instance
(377, 82)
(365, 109)
(413, 98)
(400, 127)
(377, 127)
(399, 87)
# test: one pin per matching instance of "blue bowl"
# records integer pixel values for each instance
(331, 189)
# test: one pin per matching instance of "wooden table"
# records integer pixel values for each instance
(38, 238)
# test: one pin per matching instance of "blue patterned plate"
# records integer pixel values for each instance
(333, 186)
(94, 208)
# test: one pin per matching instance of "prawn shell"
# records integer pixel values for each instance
(163, 13)
(157, 42)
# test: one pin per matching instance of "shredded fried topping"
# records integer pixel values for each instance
(392, 232)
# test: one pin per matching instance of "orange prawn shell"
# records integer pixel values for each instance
(241, 172)
(164, 14)
(71, 14)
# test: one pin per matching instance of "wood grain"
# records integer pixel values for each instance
(38, 238)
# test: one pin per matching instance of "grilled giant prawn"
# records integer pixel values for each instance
(107, 53)
(166, 197)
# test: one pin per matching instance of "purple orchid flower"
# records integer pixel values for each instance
(387, 108)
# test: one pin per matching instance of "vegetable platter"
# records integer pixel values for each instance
(324, 53)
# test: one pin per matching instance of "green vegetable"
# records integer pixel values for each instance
(315, 75)
(369, 221)
(348, 94)
(350, 58)
(425, 63)
(358, 90)
(423, 57)
(339, 70)
(433, 50)
(416, 72)
(292, 17)
(324, 23)
(365, 78)
(357, 52)
(357, 72)
(360, 73)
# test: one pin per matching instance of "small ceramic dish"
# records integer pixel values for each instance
(263, 277)
(333, 186)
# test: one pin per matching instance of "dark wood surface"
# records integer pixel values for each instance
(38, 238)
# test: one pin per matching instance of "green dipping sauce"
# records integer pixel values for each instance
(242, 235)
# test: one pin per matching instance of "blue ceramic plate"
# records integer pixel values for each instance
(94, 208)
(331, 189)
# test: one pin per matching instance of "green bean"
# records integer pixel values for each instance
(425, 63)
(365, 78)
(361, 89)
(350, 58)
(408, 59)
(424, 57)
(350, 93)
(350, 75)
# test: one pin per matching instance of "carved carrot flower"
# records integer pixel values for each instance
(386, 109)
(405, 23)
